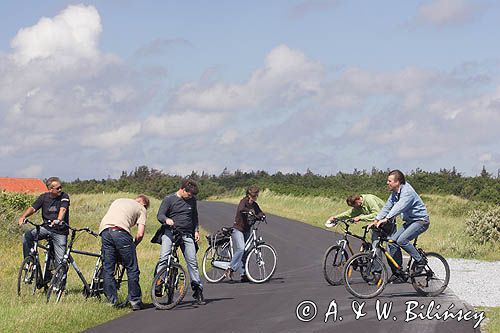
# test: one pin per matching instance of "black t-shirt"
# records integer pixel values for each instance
(50, 210)
(184, 212)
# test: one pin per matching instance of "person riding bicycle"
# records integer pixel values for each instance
(406, 202)
(241, 231)
(364, 209)
(179, 210)
(55, 214)
(117, 243)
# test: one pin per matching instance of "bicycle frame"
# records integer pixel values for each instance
(404, 273)
(34, 252)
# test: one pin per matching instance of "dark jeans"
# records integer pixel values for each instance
(58, 242)
(120, 244)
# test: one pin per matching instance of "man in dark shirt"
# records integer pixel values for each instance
(178, 210)
(55, 215)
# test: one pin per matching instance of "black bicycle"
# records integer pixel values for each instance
(430, 280)
(170, 284)
(32, 275)
(95, 288)
(337, 255)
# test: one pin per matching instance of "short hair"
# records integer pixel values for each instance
(352, 198)
(398, 175)
(50, 180)
(190, 186)
(252, 190)
(144, 199)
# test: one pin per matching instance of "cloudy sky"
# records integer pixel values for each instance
(88, 89)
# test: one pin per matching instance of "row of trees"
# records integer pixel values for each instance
(156, 183)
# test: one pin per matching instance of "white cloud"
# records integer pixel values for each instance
(183, 124)
(67, 38)
(119, 137)
(447, 12)
(287, 76)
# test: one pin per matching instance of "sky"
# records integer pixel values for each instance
(90, 89)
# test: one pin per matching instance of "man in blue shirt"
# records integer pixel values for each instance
(406, 202)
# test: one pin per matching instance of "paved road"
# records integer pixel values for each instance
(271, 307)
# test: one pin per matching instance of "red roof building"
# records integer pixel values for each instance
(22, 185)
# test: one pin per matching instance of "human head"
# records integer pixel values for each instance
(54, 186)
(354, 200)
(143, 200)
(395, 179)
(188, 189)
(252, 192)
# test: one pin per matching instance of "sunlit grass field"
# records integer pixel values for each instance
(74, 313)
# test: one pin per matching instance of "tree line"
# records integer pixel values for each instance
(153, 182)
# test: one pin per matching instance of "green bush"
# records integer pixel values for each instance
(12, 206)
(484, 226)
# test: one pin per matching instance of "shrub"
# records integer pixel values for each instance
(484, 226)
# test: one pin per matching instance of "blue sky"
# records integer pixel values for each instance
(93, 88)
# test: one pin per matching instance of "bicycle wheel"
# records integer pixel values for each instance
(27, 277)
(360, 280)
(434, 278)
(333, 264)
(169, 287)
(260, 263)
(215, 261)
(57, 284)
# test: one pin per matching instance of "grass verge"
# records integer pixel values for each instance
(74, 313)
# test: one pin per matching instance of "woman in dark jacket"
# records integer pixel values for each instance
(241, 231)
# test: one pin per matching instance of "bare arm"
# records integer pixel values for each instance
(140, 233)
(28, 212)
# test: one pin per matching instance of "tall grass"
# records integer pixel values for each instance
(74, 313)
(446, 235)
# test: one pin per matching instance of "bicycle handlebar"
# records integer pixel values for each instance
(86, 229)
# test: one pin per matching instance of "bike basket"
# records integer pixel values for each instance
(218, 238)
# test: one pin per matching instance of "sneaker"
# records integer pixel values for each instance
(198, 297)
(136, 306)
(228, 274)
(244, 278)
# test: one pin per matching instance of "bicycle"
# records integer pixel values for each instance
(261, 259)
(31, 276)
(170, 284)
(432, 280)
(337, 255)
(57, 285)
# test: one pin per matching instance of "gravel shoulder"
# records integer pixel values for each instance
(476, 282)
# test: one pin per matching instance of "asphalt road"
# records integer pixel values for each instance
(271, 307)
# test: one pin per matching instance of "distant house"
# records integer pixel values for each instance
(22, 185)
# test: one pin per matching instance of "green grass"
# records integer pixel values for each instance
(74, 313)
(492, 324)
(446, 234)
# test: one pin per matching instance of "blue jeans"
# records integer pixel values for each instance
(239, 238)
(120, 244)
(189, 251)
(403, 238)
(58, 242)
